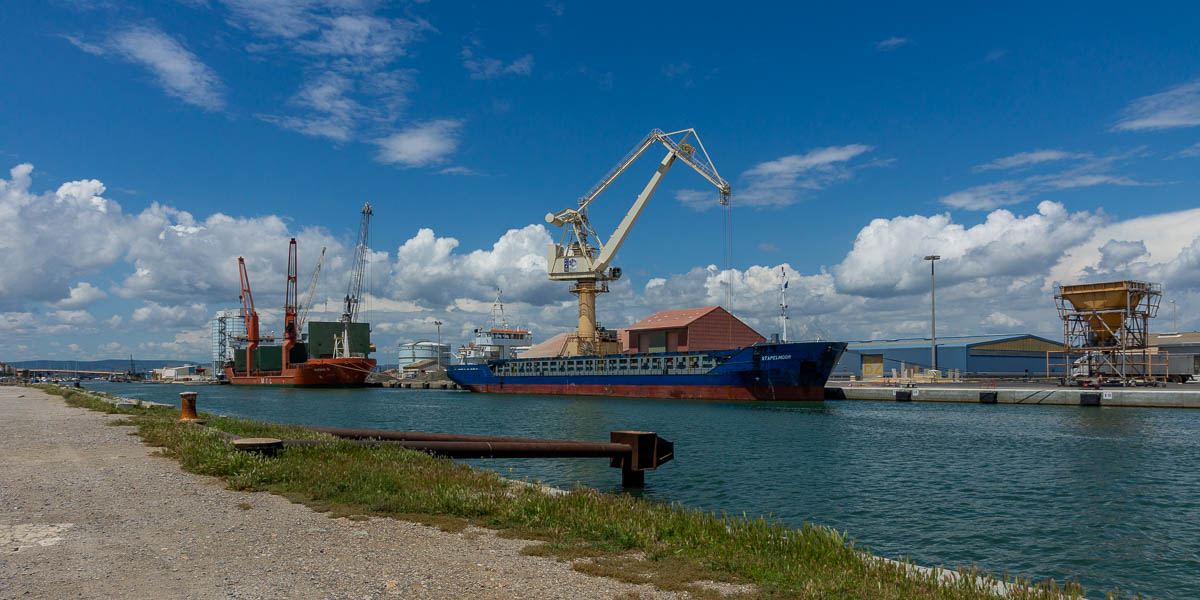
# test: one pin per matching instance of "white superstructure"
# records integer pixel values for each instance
(496, 342)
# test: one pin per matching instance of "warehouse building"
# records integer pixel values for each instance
(998, 355)
(688, 330)
(1180, 342)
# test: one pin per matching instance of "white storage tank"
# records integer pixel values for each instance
(411, 352)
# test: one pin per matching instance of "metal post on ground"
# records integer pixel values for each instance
(187, 408)
(932, 311)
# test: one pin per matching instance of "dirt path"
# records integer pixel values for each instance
(86, 511)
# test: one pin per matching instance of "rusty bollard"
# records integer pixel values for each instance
(187, 408)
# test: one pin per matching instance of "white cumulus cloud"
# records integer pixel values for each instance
(31, 223)
(428, 268)
(81, 295)
(886, 257)
(160, 316)
(785, 180)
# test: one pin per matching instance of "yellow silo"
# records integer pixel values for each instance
(1106, 305)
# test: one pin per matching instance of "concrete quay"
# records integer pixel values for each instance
(1175, 396)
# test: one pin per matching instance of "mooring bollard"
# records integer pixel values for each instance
(187, 408)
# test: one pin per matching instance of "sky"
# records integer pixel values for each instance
(144, 147)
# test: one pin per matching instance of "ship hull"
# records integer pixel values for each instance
(765, 372)
(814, 393)
(319, 372)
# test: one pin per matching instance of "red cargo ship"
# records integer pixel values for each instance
(340, 349)
(316, 372)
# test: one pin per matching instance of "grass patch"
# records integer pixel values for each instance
(617, 536)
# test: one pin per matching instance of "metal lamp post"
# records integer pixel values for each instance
(932, 311)
(1174, 326)
(439, 346)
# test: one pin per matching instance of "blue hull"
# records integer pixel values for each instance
(794, 371)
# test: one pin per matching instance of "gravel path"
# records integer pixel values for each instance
(86, 511)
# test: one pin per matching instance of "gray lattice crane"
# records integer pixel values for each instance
(354, 288)
(307, 303)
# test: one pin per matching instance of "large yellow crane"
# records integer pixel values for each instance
(582, 259)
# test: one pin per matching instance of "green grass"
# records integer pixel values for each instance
(617, 536)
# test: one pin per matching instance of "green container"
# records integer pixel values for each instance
(269, 358)
(321, 338)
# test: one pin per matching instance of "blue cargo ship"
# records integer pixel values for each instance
(765, 371)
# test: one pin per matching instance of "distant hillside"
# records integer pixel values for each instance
(121, 366)
(116, 364)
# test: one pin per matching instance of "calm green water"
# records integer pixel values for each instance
(1110, 496)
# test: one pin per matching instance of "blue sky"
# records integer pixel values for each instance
(151, 144)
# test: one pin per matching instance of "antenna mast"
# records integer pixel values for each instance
(783, 306)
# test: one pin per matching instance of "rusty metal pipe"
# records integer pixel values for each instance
(380, 434)
(475, 449)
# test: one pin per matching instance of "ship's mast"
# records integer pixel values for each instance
(498, 312)
(783, 306)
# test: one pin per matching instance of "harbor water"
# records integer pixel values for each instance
(1108, 496)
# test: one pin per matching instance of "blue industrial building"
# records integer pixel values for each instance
(993, 355)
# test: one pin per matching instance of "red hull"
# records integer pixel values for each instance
(813, 393)
(317, 372)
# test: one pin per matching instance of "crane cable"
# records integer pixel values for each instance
(727, 212)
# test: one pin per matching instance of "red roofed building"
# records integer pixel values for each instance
(689, 329)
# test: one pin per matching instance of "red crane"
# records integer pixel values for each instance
(248, 315)
(290, 335)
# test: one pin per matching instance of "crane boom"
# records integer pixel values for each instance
(307, 303)
(579, 258)
(357, 269)
(289, 299)
(705, 169)
(290, 334)
(249, 315)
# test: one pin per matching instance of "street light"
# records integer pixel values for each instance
(439, 346)
(1174, 327)
(932, 311)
